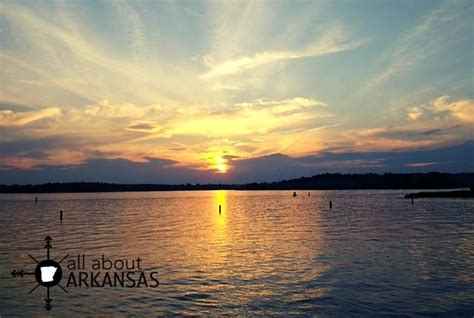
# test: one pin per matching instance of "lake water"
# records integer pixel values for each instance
(267, 253)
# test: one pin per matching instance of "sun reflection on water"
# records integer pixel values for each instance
(264, 250)
(220, 216)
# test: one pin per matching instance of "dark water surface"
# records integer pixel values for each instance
(268, 253)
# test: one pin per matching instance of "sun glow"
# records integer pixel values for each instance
(221, 165)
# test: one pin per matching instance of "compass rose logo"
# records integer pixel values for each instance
(48, 273)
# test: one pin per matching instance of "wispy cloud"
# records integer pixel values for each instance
(65, 56)
(332, 42)
(117, 80)
(442, 27)
(9, 118)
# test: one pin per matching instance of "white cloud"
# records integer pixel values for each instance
(441, 108)
(414, 113)
(332, 42)
(278, 107)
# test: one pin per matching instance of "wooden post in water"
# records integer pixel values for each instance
(412, 201)
(36, 199)
(330, 204)
(220, 209)
(61, 215)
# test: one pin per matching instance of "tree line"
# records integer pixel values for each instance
(326, 181)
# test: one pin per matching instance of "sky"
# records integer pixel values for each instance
(233, 91)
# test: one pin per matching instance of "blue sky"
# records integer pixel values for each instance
(197, 90)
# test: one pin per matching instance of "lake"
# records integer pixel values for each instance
(267, 253)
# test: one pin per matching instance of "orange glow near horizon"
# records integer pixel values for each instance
(180, 105)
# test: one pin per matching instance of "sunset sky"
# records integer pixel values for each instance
(233, 91)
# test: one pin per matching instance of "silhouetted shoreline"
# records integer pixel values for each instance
(442, 194)
(432, 180)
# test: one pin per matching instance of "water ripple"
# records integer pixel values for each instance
(266, 254)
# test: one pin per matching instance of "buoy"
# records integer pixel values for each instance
(220, 209)
(61, 215)
(330, 204)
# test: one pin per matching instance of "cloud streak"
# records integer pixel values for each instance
(330, 43)
(441, 28)
(9, 118)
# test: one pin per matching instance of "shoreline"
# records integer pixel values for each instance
(327, 181)
(431, 193)
(442, 194)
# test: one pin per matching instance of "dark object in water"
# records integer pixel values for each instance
(220, 209)
(36, 199)
(442, 194)
(61, 215)
(330, 204)
(294, 194)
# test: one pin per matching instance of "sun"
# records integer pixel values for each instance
(221, 165)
